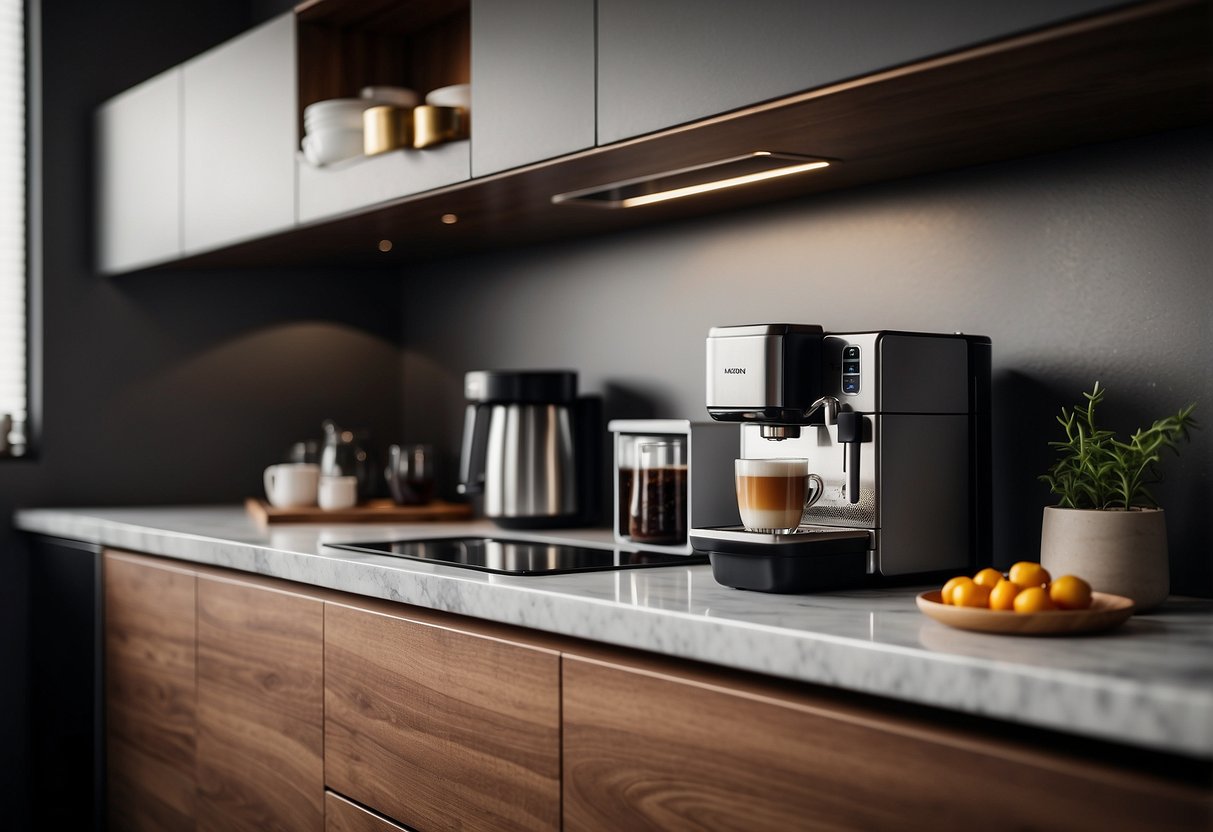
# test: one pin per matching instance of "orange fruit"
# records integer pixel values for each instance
(971, 595)
(1070, 593)
(1033, 599)
(951, 585)
(1025, 574)
(988, 577)
(1002, 596)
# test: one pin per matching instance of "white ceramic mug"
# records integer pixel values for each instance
(773, 494)
(338, 492)
(292, 484)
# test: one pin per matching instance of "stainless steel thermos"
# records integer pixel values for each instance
(532, 447)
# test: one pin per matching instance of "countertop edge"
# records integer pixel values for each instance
(1087, 706)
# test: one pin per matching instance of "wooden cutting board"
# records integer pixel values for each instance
(372, 511)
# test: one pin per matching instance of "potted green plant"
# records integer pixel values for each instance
(1107, 527)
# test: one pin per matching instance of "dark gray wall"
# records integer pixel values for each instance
(171, 388)
(167, 387)
(1088, 264)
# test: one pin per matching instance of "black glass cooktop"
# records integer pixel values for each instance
(517, 557)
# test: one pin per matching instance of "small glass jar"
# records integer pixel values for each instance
(657, 508)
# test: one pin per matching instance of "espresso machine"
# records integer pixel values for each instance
(897, 424)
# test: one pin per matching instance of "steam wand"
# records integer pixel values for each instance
(778, 433)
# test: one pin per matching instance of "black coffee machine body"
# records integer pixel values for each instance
(532, 448)
(897, 424)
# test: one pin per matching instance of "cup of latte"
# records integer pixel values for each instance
(773, 494)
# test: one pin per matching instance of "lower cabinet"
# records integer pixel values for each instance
(214, 700)
(149, 693)
(233, 702)
(652, 747)
(260, 744)
(440, 728)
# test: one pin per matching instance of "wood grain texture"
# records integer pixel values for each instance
(439, 728)
(648, 750)
(341, 815)
(372, 511)
(1143, 68)
(260, 708)
(149, 684)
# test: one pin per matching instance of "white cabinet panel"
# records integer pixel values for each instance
(139, 175)
(532, 81)
(675, 61)
(240, 137)
(358, 183)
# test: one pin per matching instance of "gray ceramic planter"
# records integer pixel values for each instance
(1117, 551)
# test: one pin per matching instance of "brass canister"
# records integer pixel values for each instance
(385, 128)
(435, 125)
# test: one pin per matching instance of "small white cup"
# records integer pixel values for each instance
(338, 493)
(292, 484)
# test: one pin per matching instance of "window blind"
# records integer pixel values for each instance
(13, 355)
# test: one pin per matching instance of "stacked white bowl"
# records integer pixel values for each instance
(333, 128)
(456, 95)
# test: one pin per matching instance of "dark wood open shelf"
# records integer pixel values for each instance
(343, 47)
(1140, 69)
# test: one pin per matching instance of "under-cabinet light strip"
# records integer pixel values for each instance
(719, 184)
(697, 179)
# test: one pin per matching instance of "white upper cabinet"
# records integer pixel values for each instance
(667, 62)
(532, 81)
(139, 175)
(239, 138)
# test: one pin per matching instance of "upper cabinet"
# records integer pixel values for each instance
(202, 156)
(201, 166)
(139, 175)
(668, 63)
(239, 137)
(533, 81)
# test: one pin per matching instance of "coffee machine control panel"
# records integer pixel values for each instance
(850, 370)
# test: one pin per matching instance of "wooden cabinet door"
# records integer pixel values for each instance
(139, 175)
(260, 708)
(149, 684)
(240, 138)
(439, 728)
(646, 749)
(532, 81)
(671, 62)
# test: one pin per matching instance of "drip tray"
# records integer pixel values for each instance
(516, 557)
(813, 558)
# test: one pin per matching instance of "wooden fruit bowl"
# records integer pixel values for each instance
(1106, 611)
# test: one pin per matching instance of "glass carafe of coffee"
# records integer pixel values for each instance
(657, 511)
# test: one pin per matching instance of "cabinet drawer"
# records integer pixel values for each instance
(440, 728)
(650, 749)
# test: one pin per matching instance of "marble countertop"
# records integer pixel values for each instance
(1147, 683)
